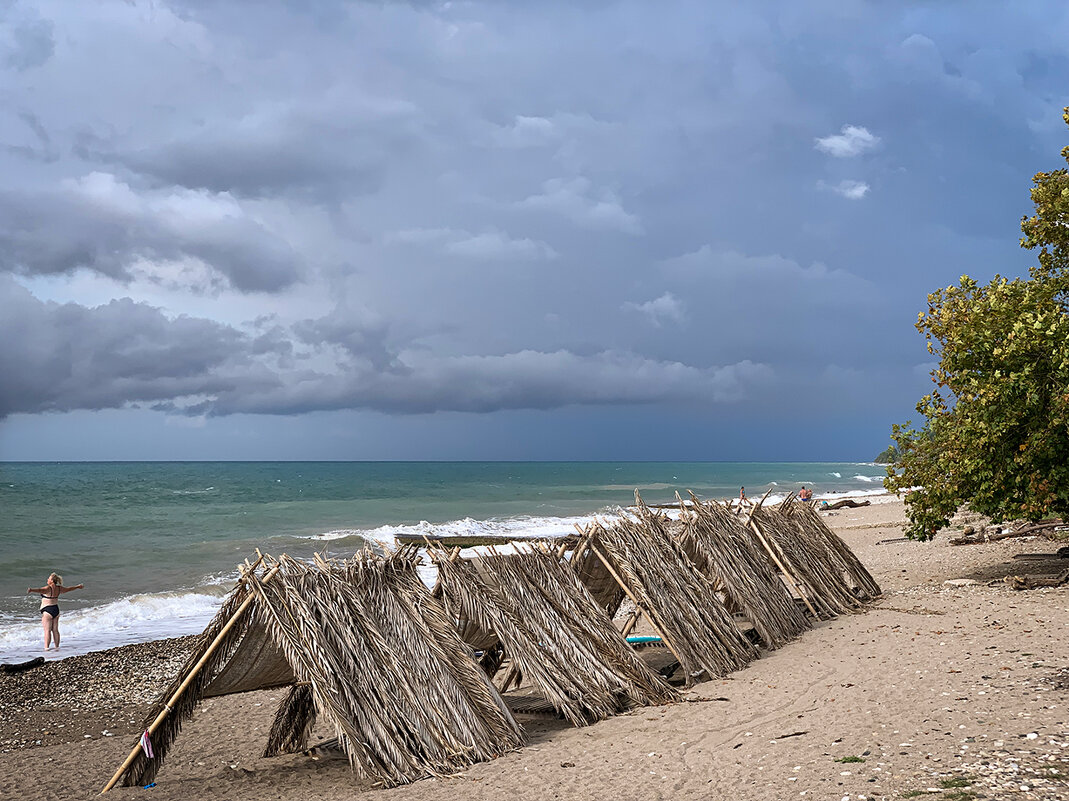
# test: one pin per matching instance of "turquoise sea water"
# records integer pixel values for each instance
(157, 543)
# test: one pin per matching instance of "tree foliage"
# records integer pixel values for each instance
(888, 455)
(996, 425)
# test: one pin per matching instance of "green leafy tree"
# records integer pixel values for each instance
(888, 455)
(996, 426)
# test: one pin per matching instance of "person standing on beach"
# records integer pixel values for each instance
(742, 493)
(50, 606)
(805, 495)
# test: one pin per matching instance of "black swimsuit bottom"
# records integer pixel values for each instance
(52, 610)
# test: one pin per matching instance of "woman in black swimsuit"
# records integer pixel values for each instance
(50, 606)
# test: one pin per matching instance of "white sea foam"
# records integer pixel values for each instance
(868, 479)
(138, 618)
(837, 475)
(518, 528)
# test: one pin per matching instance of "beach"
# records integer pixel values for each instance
(937, 688)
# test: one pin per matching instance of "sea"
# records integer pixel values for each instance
(157, 544)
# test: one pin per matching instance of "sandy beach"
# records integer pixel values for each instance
(953, 690)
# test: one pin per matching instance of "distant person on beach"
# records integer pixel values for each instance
(742, 493)
(50, 606)
(805, 494)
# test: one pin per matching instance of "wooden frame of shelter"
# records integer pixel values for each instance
(823, 570)
(552, 629)
(363, 645)
(725, 550)
(655, 572)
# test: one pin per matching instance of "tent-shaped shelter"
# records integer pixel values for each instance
(552, 629)
(830, 579)
(725, 549)
(366, 647)
(651, 565)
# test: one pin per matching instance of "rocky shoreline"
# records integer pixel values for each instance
(99, 694)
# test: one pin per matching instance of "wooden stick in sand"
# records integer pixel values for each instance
(775, 558)
(638, 604)
(189, 678)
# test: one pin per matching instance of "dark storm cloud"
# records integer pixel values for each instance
(483, 206)
(125, 353)
(326, 153)
(72, 357)
(484, 384)
(101, 224)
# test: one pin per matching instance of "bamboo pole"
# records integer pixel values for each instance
(211, 649)
(631, 622)
(775, 558)
(638, 604)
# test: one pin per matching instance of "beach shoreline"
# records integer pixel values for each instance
(935, 683)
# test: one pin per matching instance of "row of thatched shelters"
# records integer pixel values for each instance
(404, 675)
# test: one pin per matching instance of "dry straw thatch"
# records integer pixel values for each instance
(372, 652)
(673, 593)
(365, 647)
(814, 558)
(726, 551)
(553, 630)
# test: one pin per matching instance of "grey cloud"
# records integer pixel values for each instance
(575, 200)
(25, 38)
(331, 152)
(581, 145)
(361, 340)
(666, 307)
(42, 150)
(64, 357)
(521, 380)
(103, 225)
(491, 245)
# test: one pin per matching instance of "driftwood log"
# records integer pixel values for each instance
(1027, 530)
(1032, 582)
(844, 502)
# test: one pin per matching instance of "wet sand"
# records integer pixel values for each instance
(945, 690)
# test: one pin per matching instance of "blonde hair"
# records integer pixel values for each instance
(56, 579)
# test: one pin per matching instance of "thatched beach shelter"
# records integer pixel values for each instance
(807, 520)
(725, 549)
(653, 568)
(801, 546)
(551, 628)
(364, 646)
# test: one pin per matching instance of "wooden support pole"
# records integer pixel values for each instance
(211, 649)
(631, 622)
(783, 568)
(636, 602)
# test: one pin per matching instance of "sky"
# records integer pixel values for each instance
(605, 230)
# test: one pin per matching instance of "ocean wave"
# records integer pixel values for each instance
(137, 618)
(204, 491)
(517, 527)
(657, 485)
(837, 475)
(336, 534)
(868, 479)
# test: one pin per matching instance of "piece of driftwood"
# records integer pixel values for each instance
(1034, 581)
(21, 667)
(842, 503)
(1024, 531)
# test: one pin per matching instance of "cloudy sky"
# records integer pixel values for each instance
(500, 230)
